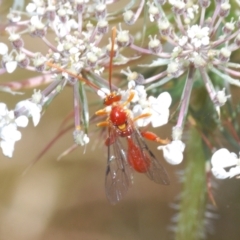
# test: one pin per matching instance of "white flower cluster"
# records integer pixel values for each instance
(10, 120)
(157, 108)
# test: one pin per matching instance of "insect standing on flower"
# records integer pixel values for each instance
(127, 149)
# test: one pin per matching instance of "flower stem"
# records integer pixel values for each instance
(185, 98)
(192, 207)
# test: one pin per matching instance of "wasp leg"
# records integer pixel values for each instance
(153, 137)
(101, 112)
(103, 124)
(144, 115)
(130, 98)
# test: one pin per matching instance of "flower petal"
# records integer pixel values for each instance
(160, 118)
(223, 158)
(11, 66)
(21, 121)
(173, 152)
(165, 99)
(3, 48)
(220, 173)
(7, 148)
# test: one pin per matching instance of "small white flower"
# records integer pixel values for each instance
(173, 152)
(182, 41)
(191, 11)
(222, 159)
(7, 117)
(80, 137)
(157, 108)
(221, 97)
(160, 109)
(9, 63)
(30, 109)
(199, 36)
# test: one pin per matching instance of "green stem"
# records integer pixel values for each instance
(190, 224)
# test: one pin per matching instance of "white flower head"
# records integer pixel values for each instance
(223, 159)
(173, 152)
(199, 36)
(157, 108)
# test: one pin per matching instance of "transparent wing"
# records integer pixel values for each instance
(118, 173)
(155, 172)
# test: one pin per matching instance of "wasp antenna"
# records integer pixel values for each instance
(80, 78)
(113, 36)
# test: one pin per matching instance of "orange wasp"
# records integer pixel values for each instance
(123, 156)
(133, 153)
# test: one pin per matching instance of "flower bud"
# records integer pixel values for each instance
(153, 12)
(50, 13)
(228, 28)
(204, 3)
(100, 10)
(109, 48)
(62, 13)
(39, 63)
(164, 27)
(224, 54)
(173, 69)
(80, 6)
(91, 59)
(133, 76)
(224, 9)
(16, 40)
(154, 44)
(22, 60)
(178, 7)
(123, 38)
(102, 26)
(128, 17)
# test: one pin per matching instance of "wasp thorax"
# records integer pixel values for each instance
(118, 116)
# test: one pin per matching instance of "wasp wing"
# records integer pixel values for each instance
(155, 172)
(118, 173)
